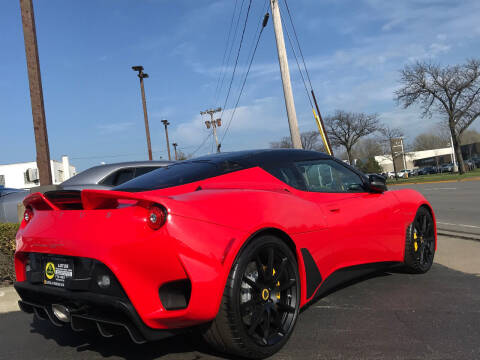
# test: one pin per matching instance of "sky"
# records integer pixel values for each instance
(354, 50)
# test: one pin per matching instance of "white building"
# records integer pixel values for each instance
(25, 175)
(415, 159)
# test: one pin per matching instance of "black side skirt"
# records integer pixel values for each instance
(314, 278)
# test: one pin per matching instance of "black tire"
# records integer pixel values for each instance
(420, 243)
(252, 299)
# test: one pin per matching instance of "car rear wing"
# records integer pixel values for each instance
(82, 200)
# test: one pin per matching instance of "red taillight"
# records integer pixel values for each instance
(157, 215)
(28, 215)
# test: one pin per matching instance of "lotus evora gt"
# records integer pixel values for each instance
(231, 244)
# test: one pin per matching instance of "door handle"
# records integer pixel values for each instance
(334, 210)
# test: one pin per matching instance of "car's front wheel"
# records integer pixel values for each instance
(420, 242)
(260, 303)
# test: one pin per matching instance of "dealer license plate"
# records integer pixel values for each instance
(57, 271)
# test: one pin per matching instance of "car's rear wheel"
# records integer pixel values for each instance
(420, 242)
(260, 303)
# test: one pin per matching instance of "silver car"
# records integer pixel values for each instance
(98, 177)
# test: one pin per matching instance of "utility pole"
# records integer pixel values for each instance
(287, 85)
(141, 76)
(166, 123)
(36, 93)
(213, 124)
(175, 147)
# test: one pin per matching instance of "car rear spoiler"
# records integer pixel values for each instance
(81, 200)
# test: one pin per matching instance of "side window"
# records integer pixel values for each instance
(119, 177)
(139, 171)
(329, 176)
(123, 176)
(286, 173)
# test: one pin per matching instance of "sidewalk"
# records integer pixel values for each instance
(8, 299)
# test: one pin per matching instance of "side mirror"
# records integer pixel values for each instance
(377, 183)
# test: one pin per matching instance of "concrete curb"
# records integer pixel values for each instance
(459, 234)
(473, 178)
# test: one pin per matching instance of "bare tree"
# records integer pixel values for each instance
(182, 156)
(429, 141)
(347, 128)
(284, 143)
(310, 141)
(452, 91)
(368, 148)
(469, 137)
(389, 134)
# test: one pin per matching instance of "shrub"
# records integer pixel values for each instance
(371, 167)
(7, 250)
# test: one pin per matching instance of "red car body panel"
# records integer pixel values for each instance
(208, 223)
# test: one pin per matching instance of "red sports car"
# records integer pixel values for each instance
(233, 244)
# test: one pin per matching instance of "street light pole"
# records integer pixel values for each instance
(454, 159)
(36, 93)
(141, 76)
(166, 123)
(175, 147)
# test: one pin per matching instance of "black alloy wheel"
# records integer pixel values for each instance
(261, 301)
(268, 295)
(420, 242)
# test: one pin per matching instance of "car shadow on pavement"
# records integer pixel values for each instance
(121, 345)
(385, 272)
(387, 312)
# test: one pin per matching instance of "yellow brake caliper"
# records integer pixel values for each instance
(415, 243)
(278, 282)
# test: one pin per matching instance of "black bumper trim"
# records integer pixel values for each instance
(107, 313)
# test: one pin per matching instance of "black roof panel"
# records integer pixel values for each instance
(265, 156)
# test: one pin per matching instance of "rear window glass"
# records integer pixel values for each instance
(179, 173)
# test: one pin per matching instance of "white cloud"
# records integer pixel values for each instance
(437, 48)
(356, 75)
(114, 127)
(253, 126)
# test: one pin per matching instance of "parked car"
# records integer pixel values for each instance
(404, 173)
(414, 172)
(389, 175)
(447, 168)
(9, 198)
(230, 242)
(476, 161)
(428, 170)
(102, 177)
(470, 164)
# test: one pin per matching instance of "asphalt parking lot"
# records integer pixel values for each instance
(456, 204)
(388, 315)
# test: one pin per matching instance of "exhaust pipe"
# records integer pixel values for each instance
(61, 312)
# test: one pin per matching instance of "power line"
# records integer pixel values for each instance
(238, 55)
(231, 46)
(258, 27)
(298, 64)
(110, 156)
(318, 118)
(222, 72)
(202, 144)
(298, 43)
(265, 20)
